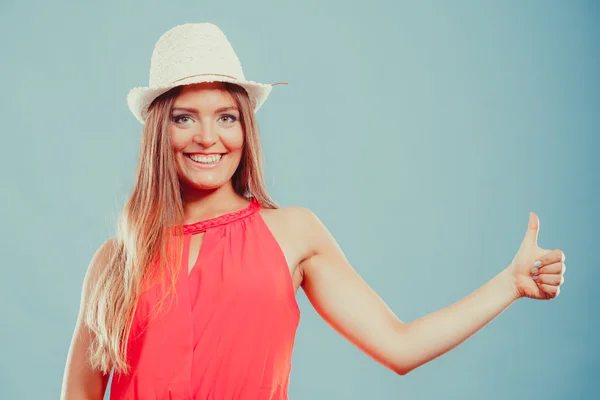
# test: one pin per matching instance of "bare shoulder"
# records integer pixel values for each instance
(99, 262)
(104, 252)
(299, 231)
(297, 219)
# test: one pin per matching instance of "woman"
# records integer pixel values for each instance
(195, 296)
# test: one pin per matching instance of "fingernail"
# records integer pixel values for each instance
(535, 277)
(537, 263)
(534, 271)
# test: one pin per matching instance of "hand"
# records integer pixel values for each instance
(530, 279)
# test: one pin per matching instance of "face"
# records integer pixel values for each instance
(207, 136)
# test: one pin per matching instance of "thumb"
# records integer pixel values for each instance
(533, 229)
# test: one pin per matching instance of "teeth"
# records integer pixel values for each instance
(214, 158)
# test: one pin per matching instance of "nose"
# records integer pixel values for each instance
(206, 135)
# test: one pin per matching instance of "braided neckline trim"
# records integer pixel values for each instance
(202, 226)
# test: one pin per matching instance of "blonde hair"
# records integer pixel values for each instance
(144, 241)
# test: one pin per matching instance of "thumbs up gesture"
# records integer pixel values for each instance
(537, 273)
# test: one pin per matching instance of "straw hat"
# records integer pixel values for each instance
(193, 53)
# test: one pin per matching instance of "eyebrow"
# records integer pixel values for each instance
(195, 111)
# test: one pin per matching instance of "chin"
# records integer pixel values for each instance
(205, 179)
(203, 184)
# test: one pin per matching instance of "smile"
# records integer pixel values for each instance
(210, 159)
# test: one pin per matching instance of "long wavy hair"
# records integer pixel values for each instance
(144, 241)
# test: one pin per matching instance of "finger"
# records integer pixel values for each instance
(531, 236)
(552, 257)
(550, 290)
(550, 279)
(556, 268)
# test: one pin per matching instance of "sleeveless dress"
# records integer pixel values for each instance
(230, 332)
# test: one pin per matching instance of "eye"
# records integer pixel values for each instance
(228, 118)
(182, 119)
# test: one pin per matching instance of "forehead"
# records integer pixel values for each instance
(206, 94)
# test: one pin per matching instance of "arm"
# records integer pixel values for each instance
(353, 309)
(80, 381)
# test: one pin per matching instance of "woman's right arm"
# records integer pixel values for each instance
(80, 381)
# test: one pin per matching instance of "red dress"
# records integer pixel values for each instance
(230, 332)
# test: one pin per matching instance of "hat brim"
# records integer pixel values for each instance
(140, 98)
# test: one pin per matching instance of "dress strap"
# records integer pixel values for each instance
(202, 226)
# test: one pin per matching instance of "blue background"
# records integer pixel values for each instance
(421, 133)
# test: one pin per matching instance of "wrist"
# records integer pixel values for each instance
(508, 278)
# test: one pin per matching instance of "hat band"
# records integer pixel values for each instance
(223, 75)
(193, 76)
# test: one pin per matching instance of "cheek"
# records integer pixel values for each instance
(178, 140)
(233, 139)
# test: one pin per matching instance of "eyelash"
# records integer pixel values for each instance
(233, 119)
(177, 119)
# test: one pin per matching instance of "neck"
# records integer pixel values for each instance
(200, 204)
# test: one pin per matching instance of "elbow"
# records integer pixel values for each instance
(401, 369)
(405, 361)
(400, 366)
(408, 354)
(402, 361)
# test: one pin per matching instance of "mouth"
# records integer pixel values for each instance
(205, 159)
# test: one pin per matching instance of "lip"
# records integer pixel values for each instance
(203, 166)
(200, 153)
